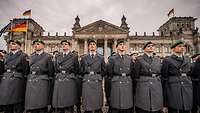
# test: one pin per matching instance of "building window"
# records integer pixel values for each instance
(166, 49)
(157, 49)
(140, 50)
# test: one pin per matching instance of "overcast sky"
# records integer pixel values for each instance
(58, 15)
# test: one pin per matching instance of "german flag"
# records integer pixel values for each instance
(27, 13)
(21, 27)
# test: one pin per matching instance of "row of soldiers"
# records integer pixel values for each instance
(143, 85)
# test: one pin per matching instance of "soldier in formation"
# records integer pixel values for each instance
(38, 80)
(65, 89)
(120, 69)
(148, 93)
(195, 74)
(177, 84)
(13, 82)
(92, 68)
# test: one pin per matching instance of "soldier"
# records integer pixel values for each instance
(195, 74)
(120, 68)
(92, 68)
(148, 93)
(65, 90)
(13, 82)
(177, 85)
(134, 55)
(107, 85)
(38, 85)
(2, 69)
(2, 57)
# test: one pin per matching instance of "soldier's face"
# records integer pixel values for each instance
(179, 49)
(92, 46)
(150, 48)
(13, 46)
(121, 47)
(38, 46)
(66, 46)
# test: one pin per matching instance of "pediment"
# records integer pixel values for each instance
(101, 27)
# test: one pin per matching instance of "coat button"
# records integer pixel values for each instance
(88, 80)
(150, 82)
(120, 82)
(181, 82)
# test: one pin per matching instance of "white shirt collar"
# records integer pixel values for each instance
(14, 52)
(65, 52)
(39, 52)
(121, 53)
(94, 53)
(149, 54)
(178, 55)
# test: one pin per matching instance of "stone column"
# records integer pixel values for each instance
(105, 50)
(114, 46)
(75, 45)
(29, 49)
(128, 45)
(162, 50)
(85, 46)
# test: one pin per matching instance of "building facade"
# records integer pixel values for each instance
(106, 34)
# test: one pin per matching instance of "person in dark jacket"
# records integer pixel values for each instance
(92, 68)
(2, 69)
(65, 89)
(177, 84)
(2, 57)
(107, 85)
(13, 82)
(195, 74)
(148, 94)
(38, 84)
(121, 69)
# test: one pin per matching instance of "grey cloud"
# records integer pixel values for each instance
(58, 15)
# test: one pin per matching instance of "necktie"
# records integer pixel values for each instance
(11, 53)
(92, 56)
(150, 59)
(122, 57)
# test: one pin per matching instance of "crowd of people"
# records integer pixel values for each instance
(44, 83)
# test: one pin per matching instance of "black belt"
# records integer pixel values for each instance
(92, 73)
(11, 70)
(65, 72)
(150, 75)
(37, 73)
(122, 74)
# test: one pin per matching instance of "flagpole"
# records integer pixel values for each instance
(10, 33)
(11, 25)
(26, 37)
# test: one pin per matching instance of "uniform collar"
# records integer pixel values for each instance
(93, 53)
(39, 52)
(66, 52)
(148, 54)
(14, 52)
(178, 55)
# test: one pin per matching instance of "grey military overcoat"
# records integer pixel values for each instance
(38, 87)
(65, 88)
(92, 70)
(177, 86)
(121, 72)
(13, 83)
(148, 94)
